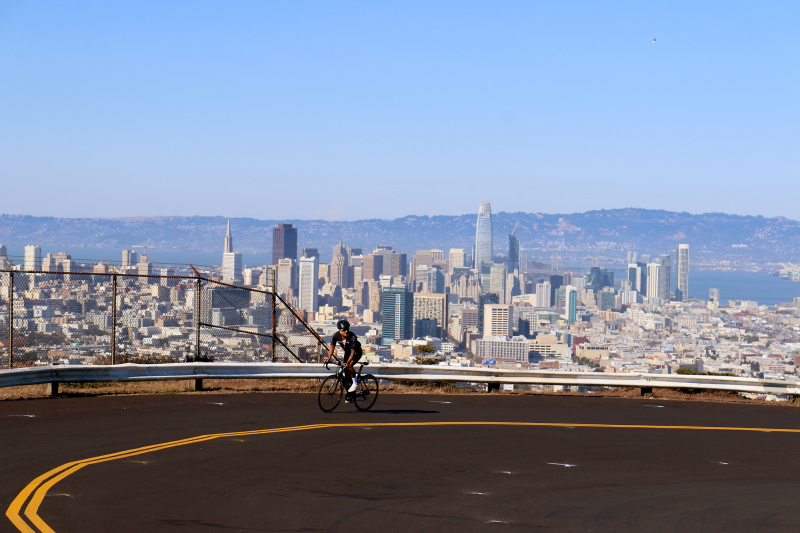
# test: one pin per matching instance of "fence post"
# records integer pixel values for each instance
(11, 319)
(114, 318)
(274, 318)
(197, 330)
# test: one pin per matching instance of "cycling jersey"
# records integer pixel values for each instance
(349, 343)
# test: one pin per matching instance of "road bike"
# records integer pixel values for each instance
(336, 385)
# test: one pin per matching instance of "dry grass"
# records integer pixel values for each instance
(212, 386)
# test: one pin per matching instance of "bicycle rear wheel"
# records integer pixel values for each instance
(367, 392)
(330, 393)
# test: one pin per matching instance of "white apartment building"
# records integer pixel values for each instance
(503, 348)
(308, 277)
(543, 294)
(33, 258)
(498, 319)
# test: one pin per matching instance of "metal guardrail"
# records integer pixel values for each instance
(393, 372)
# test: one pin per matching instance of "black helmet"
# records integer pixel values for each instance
(343, 325)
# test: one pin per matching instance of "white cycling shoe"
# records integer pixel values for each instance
(353, 387)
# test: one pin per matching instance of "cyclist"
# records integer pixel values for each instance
(351, 347)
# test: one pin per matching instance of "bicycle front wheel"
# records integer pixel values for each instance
(367, 392)
(330, 393)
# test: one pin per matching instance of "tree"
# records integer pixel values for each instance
(422, 351)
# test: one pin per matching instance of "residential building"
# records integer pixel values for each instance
(433, 308)
(502, 348)
(682, 289)
(498, 319)
(308, 274)
(543, 294)
(571, 297)
(33, 258)
(129, 258)
(653, 279)
(665, 277)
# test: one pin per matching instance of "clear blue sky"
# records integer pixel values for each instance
(348, 110)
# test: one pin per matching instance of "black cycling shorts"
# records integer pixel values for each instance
(354, 355)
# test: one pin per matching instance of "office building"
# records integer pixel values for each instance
(498, 319)
(372, 267)
(543, 294)
(423, 258)
(284, 243)
(483, 236)
(341, 249)
(599, 278)
(129, 258)
(310, 252)
(497, 281)
(3, 252)
(606, 299)
(483, 301)
(339, 271)
(433, 309)
(513, 253)
(457, 258)
(682, 289)
(33, 259)
(556, 282)
(571, 297)
(637, 277)
(286, 276)
(308, 274)
(397, 314)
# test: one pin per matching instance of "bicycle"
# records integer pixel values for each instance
(332, 388)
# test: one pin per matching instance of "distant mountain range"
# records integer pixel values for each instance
(607, 233)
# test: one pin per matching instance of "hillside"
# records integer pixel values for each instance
(603, 233)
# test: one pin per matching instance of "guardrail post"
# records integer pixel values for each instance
(114, 318)
(493, 387)
(647, 392)
(51, 389)
(11, 319)
(274, 317)
(197, 313)
(196, 384)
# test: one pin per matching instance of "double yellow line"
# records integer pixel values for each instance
(39, 486)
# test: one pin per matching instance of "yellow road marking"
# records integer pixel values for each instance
(39, 486)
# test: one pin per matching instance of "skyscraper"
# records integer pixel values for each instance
(653, 277)
(457, 258)
(571, 294)
(129, 258)
(664, 277)
(397, 314)
(513, 253)
(308, 274)
(543, 294)
(372, 267)
(682, 288)
(228, 240)
(231, 261)
(284, 243)
(33, 258)
(483, 235)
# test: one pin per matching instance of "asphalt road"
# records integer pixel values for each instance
(433, 477)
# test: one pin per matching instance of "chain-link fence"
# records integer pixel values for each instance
(110, 318)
